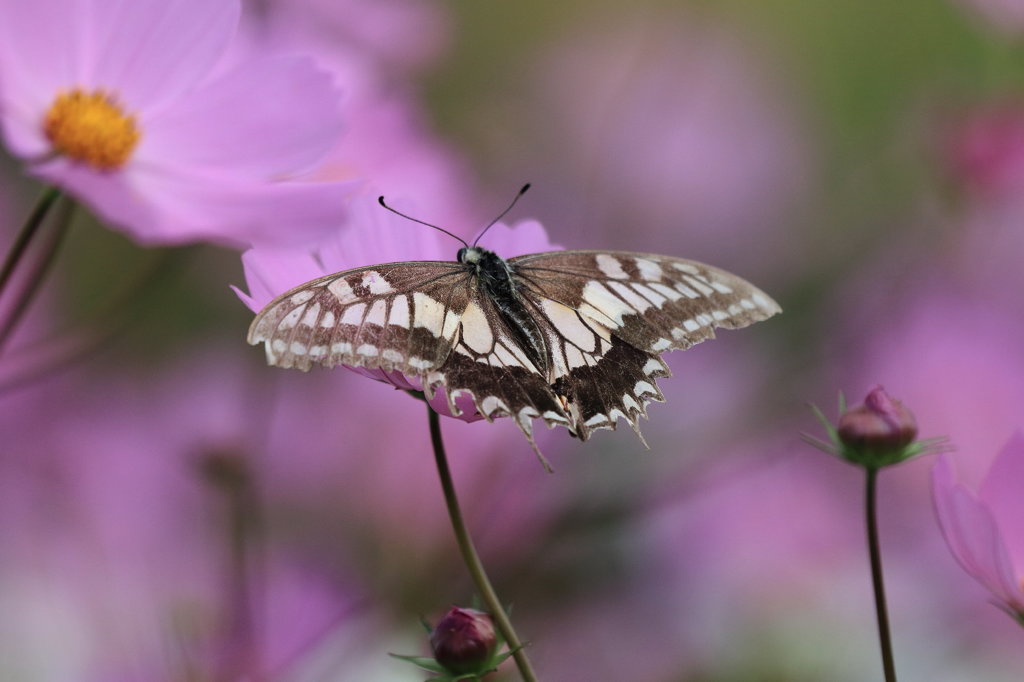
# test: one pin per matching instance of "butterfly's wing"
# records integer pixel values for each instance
(605, 317)
(400, 317)
(610, 314)
(427, 320)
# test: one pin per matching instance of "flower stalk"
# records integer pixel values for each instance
(874, 435)
(48, 252)
(470, 556)
(877, 581)
(26, 234)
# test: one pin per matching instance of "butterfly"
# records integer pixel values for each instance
(573, 338)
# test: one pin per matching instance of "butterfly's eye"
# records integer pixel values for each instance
(461, 256)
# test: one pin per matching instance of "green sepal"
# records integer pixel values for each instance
(430, 665)
(425, 662)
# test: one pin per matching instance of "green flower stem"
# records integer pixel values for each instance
(41, 267)
(28, 231)
(876, 576)
(470, 556)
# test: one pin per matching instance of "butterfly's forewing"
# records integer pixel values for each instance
(618, 312)
(427, 320)
(398, 317)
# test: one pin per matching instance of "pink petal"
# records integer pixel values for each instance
(439, 402)
(151, 51)
(1002, 492)
(172, 208)
(107, 194)
(241, 213)
(527, 236)
(270, 272)
(41, 52)
(23, 134)
(972, 535)
(44, 46)
(269, 117)
(374, 235)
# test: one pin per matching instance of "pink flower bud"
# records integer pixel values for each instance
(881, 423)
(464, 640)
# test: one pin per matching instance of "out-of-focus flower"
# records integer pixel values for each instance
(464, 640)
(674, 130)
(984, 531)
(380, 237)
(986, 149)
(1004, 16)
(373, 48)
(106, 509)
(875, 434)
(122, 106)
(984, 152)
(368, 38)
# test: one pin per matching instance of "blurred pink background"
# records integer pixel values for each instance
(173, 509)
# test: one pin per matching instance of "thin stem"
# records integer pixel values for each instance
(470, 556)
(28, 231)
(876, 577)
(63, 348)
(35, 277)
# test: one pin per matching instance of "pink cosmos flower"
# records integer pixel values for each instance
(984, 531)
(120, 104)
(377, 236)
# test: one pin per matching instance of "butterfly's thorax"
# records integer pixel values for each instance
(497, 280)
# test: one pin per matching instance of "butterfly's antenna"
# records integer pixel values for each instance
(502, 214)
(380, 200)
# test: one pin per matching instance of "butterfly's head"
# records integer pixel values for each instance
(470, 255)
(485, 264)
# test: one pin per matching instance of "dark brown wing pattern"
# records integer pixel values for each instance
(605, 318)
(613, 313)
(398, 317)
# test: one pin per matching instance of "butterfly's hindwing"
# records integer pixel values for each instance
(619, 384)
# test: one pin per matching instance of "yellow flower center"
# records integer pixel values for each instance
(90, 127)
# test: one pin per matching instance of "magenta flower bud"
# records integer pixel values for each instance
(876, 434)
(464, 640)
(881, 423)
